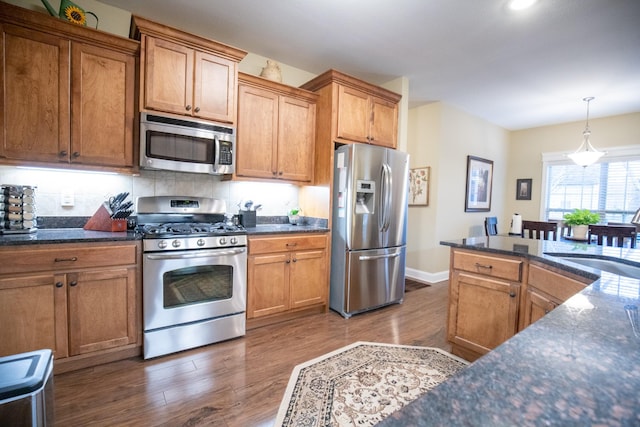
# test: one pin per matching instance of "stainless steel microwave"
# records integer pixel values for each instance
(186, 145)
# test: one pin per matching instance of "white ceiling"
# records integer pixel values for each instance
(516, 70)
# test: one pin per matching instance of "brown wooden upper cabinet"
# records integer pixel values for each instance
(185, 74)
(349, 110)
(276, 130)
(361, 112)
(69, 91)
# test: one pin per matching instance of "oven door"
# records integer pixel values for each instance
(189, 286)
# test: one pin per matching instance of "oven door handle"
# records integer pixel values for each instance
(197, 254)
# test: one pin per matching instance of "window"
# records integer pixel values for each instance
(610, 187)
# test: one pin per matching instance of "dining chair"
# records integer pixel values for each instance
(491, 225)
(564, 230)
(540, 230)
(613, 233)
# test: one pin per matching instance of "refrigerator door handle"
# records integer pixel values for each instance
(374, 257)
(386, 196)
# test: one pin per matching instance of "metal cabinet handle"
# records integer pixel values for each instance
(59, 284)
(63, 153)
(73, 283)
(75, 258)
(188, 107)
(295, 260)
(478, 265)
(197, 109)
(288, 261)
(292, 244)
(76, 154)
(512, 294)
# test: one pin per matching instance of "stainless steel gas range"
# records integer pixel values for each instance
(194, 280)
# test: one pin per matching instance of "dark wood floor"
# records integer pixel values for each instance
(238, 382)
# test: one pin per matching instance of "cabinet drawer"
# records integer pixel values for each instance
(263, 245)
(501, 267)
(61, 257)
(557, 285)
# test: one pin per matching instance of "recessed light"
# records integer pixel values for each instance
(521, 4)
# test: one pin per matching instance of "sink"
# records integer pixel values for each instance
(612, 266)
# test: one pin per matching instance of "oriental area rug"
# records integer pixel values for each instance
(362, 383)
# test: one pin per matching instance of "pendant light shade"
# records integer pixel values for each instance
(586, 154)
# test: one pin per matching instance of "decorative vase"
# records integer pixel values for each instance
(579, 232)
(272, 71)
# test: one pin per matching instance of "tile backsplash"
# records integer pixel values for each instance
(89, 189)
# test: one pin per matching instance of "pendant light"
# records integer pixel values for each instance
(586, 154)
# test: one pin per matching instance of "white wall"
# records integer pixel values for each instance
(527, 146)
(442, 137)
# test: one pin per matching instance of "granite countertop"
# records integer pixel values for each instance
(285, 229)
(65, 235)
(578, 365)
(79, 235)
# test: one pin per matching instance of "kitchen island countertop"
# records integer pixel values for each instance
(578, 365)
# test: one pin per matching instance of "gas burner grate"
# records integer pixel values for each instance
(182, 228)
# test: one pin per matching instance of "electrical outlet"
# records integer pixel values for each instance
(67, 198)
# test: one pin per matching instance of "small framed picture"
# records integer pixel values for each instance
(479, 182)
(419, 186)
(523, 189)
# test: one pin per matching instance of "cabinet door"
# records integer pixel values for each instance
(168, 76)
(483, 312)
(384, 125)
(267, 285)
(536, 306)
(33, 314)
(101, 309)
(214, 88)
(308, 278)
(257, 133)
(102, 107)
(296, 139)
(354, 115)
(35, 96)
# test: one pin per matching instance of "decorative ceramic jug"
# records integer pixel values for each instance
(272, 71)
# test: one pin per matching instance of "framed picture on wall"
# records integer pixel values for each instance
(523, 189)
(479, 183)
(419, 186)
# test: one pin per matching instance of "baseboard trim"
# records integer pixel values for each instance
(424, 276)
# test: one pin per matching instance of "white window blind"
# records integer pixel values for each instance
(610, 187)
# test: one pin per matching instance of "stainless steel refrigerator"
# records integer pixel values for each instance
(368, 248)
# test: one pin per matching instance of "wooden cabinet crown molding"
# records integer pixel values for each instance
(48, 24)
(277, 87)
(334, 76)
(141, 26)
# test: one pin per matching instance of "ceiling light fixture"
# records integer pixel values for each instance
(521, 4)
(586, 155)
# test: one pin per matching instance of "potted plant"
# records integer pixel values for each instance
(294, 215)
(579, 220)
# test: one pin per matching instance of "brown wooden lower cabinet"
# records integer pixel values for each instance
(62, 297)
(492, 297)
(287, 277)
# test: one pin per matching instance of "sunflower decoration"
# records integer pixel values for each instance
(75, 15)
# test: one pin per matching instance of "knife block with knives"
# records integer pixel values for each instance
(111, 215)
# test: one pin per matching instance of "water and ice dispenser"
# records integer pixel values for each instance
(365, 196)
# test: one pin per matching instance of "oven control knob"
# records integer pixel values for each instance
(162, 244)
(234, 240)
(200, 242)
(222, 241)
(175, 243)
